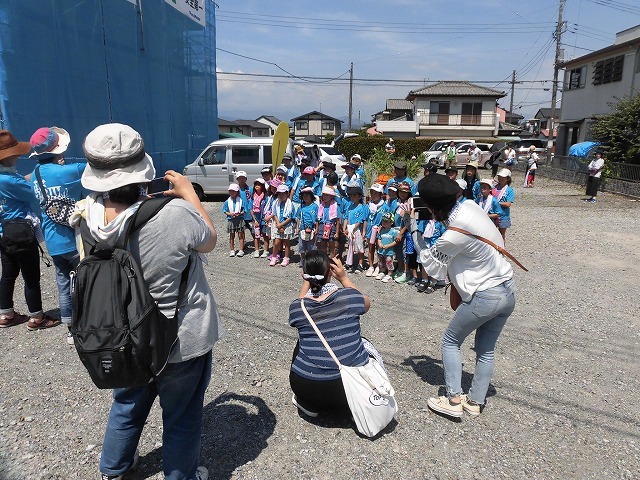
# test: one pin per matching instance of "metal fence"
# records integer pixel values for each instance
(622, 178)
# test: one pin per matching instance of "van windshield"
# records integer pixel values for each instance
(437, 146)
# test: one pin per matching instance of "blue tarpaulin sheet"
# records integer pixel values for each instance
(78, 64)
(582, 149)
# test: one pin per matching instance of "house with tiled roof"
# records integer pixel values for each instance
(448, 109)
(270, 121)
(315, 123)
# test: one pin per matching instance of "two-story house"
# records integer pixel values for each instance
(270, 121)
(315, 123)
(448, 109)
(593, 81)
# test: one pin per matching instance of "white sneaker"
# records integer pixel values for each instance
(256, 254)
(69, 338)
(369, 272)
(202, 473)
(232, 253)
(240, 253)
(380, 276)
(376, 272)
(386, 279)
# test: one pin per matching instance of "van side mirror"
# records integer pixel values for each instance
(200, 162)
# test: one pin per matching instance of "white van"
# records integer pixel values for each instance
(214, 169)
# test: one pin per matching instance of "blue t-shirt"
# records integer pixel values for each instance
(301, 183)
(494, 206)
(326, 213)
(292, 174)
(247, 193)
(229, 204)
(508, 195)
(308, 214)
(338, 318)
(16, 196)
(59, 181)
(357, 214)
(374, 219)
(387, 237)
(400, 180)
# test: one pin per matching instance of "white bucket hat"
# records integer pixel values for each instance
(116, 157)
(504, 172)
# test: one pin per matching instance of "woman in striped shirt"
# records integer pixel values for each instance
(314, 376)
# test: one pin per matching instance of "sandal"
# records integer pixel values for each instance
(41, 323)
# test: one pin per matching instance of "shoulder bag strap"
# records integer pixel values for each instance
(489, 242)
(145, 212)
(42, 189)
(322, 339)
(183, 286)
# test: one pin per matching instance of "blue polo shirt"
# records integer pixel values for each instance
(17, 199)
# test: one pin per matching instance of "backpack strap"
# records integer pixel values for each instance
(40, 184)
(145, 212)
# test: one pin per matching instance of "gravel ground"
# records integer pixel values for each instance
(566, 368)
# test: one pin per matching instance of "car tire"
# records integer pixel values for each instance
(488, 164)
(199, 191)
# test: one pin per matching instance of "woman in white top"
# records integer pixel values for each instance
(484, 279)
(593, 181)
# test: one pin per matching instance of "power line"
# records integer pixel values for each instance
(387, 80)
(620, 6)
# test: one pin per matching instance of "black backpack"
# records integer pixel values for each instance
(121, 336)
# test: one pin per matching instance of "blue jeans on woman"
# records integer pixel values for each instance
(181, 388)
(486, 313)
(64, 264)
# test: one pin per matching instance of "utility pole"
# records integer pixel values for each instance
(350, 94)
(554, 91)
(513, 86)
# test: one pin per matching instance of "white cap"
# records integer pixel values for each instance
(376, 187)
(504, 172)
(241, 173)
(461, 183)
(234, 187)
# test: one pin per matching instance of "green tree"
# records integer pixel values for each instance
(619, 131)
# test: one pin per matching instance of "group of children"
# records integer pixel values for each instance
(374, 232)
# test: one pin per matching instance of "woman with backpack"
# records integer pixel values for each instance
(18, 244)
(164, 247)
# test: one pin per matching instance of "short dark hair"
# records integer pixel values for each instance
(126, 195)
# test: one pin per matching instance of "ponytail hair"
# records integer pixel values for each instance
(316, 269)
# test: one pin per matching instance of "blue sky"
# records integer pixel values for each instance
(416, 41)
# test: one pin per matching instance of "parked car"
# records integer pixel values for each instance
(462, 157)
(522, 147)
(433, 154)
(215, 167)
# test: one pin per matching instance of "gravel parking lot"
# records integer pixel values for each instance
(560, 405)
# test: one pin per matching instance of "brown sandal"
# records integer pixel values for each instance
(41, 323)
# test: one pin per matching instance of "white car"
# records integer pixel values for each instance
(462, 157)
(433, 155)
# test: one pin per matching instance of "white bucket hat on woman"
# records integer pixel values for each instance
(116, 157)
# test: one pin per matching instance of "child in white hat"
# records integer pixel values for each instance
(234, 209)
(284, 214)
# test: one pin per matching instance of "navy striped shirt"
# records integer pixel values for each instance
(338, 318)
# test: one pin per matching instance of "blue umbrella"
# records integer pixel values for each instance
(582, 149)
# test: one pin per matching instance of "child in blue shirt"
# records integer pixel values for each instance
(488, 202)
(328, 221)
(386, 242)
(307, 217)
(505, 195)
(352, 224)
(376, 208)
(283, 215)
(234, 209)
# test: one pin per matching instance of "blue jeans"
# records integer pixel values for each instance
(181, 388)
(64, 264)
(486, 313)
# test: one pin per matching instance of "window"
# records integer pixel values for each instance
(328, 125)
(245, 155)
(302, 125)
(439, 113)
(266, 154)
(471, 113)
(576, 78)
(609, 70)
(215, 156)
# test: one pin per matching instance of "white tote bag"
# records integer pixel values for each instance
(368, 390)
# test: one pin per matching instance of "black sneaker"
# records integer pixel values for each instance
(357, 269)
(422, 286)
